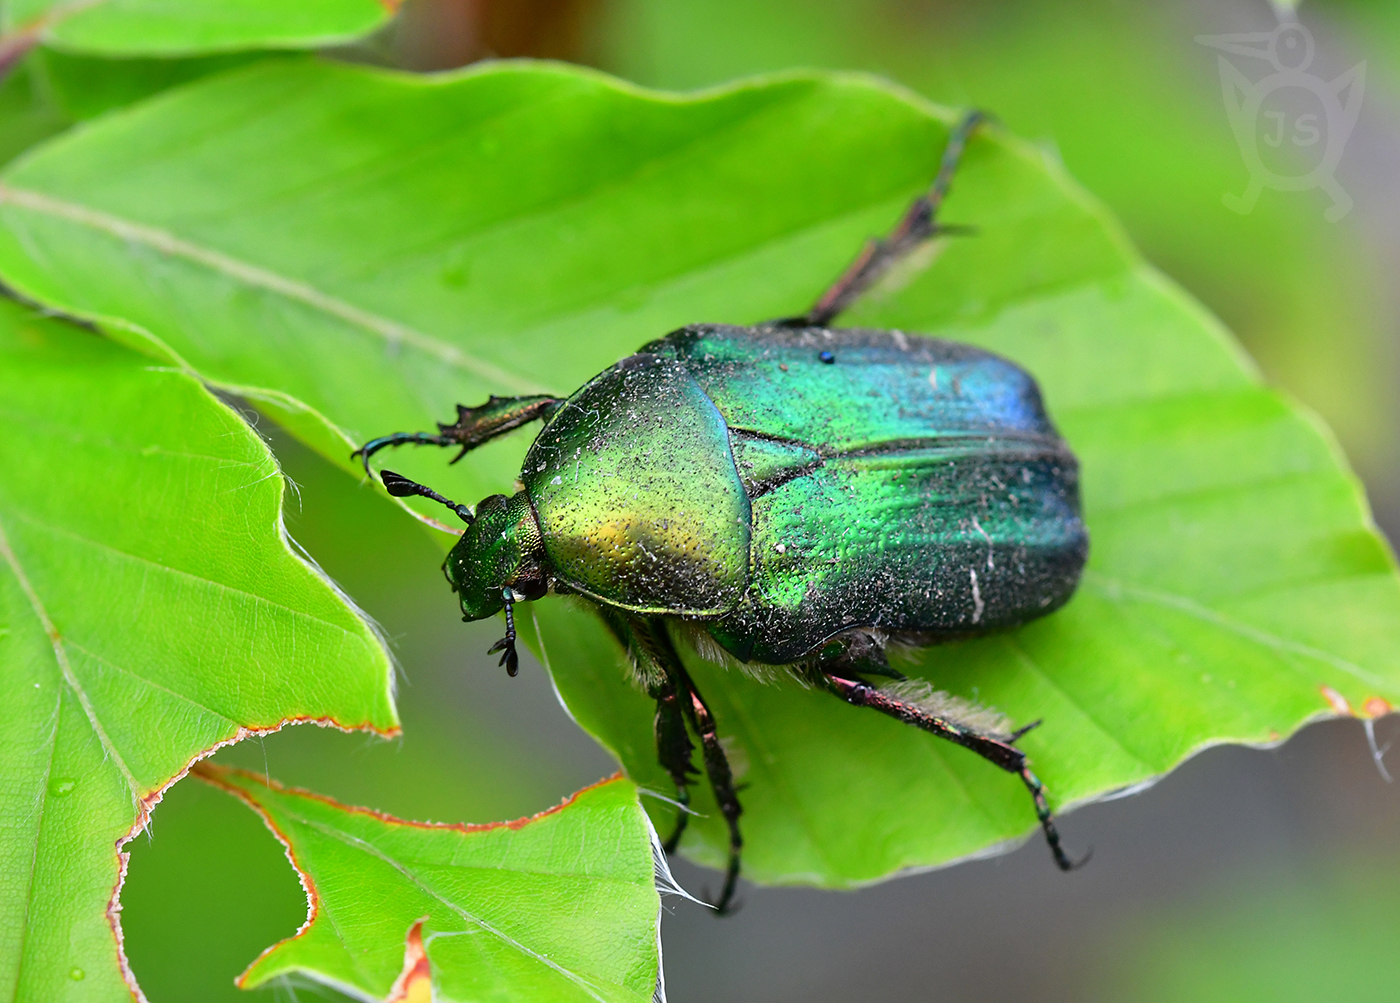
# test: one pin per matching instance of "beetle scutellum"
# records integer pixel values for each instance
(801, 494)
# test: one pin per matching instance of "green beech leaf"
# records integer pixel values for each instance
(151, 610)
(359, 250)
(46, 92)
(562, 906)
(189, 27)
(88, 86)
(29, 111)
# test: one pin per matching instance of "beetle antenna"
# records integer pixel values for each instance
(506, 645)
(401, 487)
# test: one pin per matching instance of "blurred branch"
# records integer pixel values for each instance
(444, 34)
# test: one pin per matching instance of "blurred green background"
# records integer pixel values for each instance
(1268, 875)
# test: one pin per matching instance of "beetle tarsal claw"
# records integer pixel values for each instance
(1015, 735)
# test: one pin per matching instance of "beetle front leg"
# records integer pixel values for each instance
(473, 427)
(997, 750)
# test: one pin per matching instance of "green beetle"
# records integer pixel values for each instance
(793, 494)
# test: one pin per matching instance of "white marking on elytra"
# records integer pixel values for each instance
(991, 566)
(977, 604)
(933, 378)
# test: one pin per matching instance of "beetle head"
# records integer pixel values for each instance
(502, 548)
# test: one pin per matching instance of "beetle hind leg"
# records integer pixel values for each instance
(997, 749)
(917, 225)
(1047, 823)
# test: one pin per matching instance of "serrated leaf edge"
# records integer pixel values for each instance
(146, 806)
(219, 777)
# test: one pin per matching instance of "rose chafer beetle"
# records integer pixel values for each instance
(796, 494)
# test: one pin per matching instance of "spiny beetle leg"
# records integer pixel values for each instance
(398, 439)
(878, 256)
(652, 645)
(654, 662)
(474, 425)
(674, 751)
(992, 748)
(722, 784)
(1015, 736)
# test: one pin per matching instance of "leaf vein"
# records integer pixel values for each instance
(169, 245)
(61, 657)
(1112, 586)
(258, 600)
(369, 848)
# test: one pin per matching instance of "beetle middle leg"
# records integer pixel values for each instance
(997, 749)
(664, 676)
(674, 749)
(721, 783)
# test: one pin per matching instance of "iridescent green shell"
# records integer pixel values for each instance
(896, 482)
(637, 495)
(792, 484)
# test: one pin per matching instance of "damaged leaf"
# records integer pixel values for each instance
(360, 250)
(562, 906)
(151, 610)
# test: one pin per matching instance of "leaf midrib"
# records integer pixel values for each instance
(168, 569)
(161, 241)
(34, 856)
(366, 847)
(66, 673)
(393, 331)
(1109, 586)
(61, 659)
